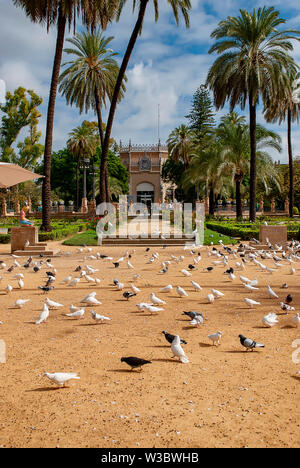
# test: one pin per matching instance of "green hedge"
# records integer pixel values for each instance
(247, 231)
(56, 234)
(4, 238)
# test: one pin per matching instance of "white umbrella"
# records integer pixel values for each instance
(12, 174)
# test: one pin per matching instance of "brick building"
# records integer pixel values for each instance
(144, 163)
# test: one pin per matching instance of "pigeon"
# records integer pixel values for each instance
(170, 338)
(135, 362)
(20, 303)
(249, 344)
(21, 284)
(74, 283)
(167, 289)
(186, 273)
(73, 309)
(142, 306)
(99, 318)
(61, 378)
(135, 289)
(181, 292)
(91, 301)
(289, 299)
(197, 321)
(8, 289)
(217, 294)
(153, 310)
(196, 286)
(68, 279)
(178, 351)
(295, 321)
(270, 320)
(250, 288)
(128, 295)
(271, 293)
(216, 338)
(287, 308)
(46, 289)
(52, 304)
(193, 314)
(44, 315)
(209, 269)
(210, 298)
(156, 300)
(77, 314)
(251, 303)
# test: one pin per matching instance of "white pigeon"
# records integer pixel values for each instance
(156, 300)
(250, 288)
(167, 289)
(196, 286)
(181, 292)
(271, 293)
(135, 289)
(53, 305)
(245, 280)
(73, 309)
(217, 294)
(77, 314)
(91, 301)
(178, 351)
(74, 283)
(270, 320)
(129, 265)
(251, 303)
(210, 298)
(68, 279)
(99, 318)
(91, 270)
(120, 286)
(292, 271)
(198, 320)
(186, 273)
(142, 306)
(152, 309)
(19, 276)
(295, 321)
(61, 378)
(21, 284)
(20, 303)
(216, 338)
(8, 289)
(44, 315)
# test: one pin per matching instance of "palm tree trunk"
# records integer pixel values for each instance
(77, 184)
(239, 209)
(99, 115)
(114, 101)
(211, 202)
(253, 169)
(46, 193)
(291, 164)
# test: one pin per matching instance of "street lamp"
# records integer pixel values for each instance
(94, 170)
(84, 164)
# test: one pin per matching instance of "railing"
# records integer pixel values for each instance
(143, 148)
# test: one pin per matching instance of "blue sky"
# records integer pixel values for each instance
(167, 66)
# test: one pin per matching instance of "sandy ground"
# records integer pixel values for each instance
(224, 397)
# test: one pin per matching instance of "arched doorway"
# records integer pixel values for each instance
(145, 193)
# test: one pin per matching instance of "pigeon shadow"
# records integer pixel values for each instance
(166, 360)
(121, 371)
(205, 345)
(46, 389)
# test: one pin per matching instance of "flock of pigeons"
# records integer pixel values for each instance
(235, 260)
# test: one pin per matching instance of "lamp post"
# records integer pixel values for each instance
(94, 170)
(84, 164)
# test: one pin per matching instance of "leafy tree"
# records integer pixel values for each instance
(180, 144)
(21, 111)
(254, 55)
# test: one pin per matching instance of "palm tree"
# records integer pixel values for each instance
(61, 13)
(177, 6)
(89, 80)
(285, 106)
(180, 144)
(81, 144)
(254, 57)
(234, 137)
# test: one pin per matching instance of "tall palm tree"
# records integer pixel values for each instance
(254, 57)
(89, 80)
(81, 144)
(61, 13)
(285, 105)
(234, 138)
(180, 144)
(177, 6)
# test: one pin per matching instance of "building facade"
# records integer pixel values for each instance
(144, 163)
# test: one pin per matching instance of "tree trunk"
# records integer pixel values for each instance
(239, 208)
(99, 116)
(291, 164)
(211, 202)
(253, 169)
(114, 101)
(46, 193)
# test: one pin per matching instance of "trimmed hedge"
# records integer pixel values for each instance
(4, 238)
(247, 231)
(56, 234)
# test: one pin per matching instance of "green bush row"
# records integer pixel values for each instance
(245, 232)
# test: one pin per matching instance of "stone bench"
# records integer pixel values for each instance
(20, 235)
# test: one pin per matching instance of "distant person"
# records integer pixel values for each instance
(23, 220)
